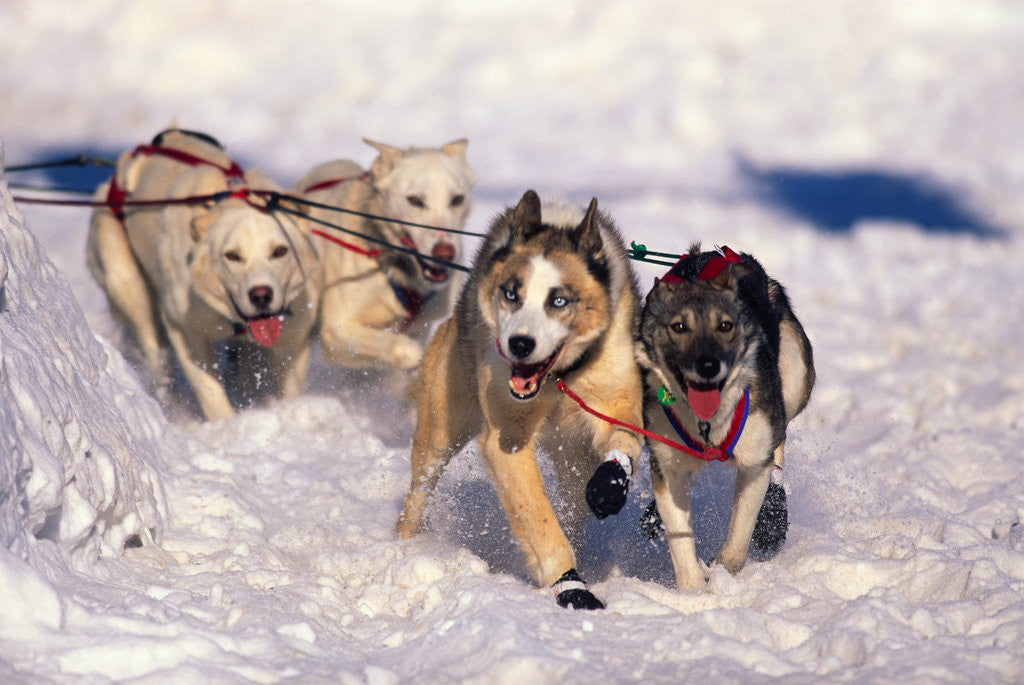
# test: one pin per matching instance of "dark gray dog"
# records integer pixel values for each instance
(727, 366)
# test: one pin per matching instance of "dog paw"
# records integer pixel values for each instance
(607, 489)
(772, 523)
(406, 353)
(572, 593)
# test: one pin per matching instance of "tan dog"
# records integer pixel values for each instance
(550, 293)
(202, 273)
(377, 310)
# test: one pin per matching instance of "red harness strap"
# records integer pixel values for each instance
(712, 454)
(347, 245)
(116, 195)
(331, 182)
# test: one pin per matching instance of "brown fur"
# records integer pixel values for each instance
(462, 390)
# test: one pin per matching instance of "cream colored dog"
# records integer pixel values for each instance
(197, 274)
(376, 310)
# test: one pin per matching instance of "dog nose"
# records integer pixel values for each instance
(521, 346)
(444, 251)
(261, 296)
(708, 367)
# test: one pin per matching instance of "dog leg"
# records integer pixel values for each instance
(115, 268)
(446, 418)
(432, 449)
(672, 494)
(751, 485)
(195, 359)
(530, 516)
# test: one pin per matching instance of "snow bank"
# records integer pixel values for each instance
(79, 438)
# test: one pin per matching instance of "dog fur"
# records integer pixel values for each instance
(192, 275)
(550, 288)
(377, 312)
(721, 334)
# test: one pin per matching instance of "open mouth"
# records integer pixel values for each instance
(265, 329)
(433, 272)
(525, 379)
(704, 398)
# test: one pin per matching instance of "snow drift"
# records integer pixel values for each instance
(80, 439)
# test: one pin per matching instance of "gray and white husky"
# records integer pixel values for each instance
(727, 365)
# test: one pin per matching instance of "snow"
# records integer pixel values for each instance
(868, 153)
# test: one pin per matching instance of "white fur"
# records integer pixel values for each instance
(168, 271)
(532, 318)
(362, 322)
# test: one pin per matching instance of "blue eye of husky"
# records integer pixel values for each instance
(510, 294)
(559, 302)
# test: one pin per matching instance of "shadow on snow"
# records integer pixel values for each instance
(835, 201)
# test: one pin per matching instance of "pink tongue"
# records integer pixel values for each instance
(265, 331)
(703, 402)
(523, 386)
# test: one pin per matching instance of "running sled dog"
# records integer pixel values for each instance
(550, 296)
(194, 274)
(378, 303)
(727, 365)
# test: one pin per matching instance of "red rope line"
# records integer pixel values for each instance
(706, 456)
(348, 246)
(331, 182)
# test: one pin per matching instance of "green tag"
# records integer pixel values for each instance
(639, 250)
(665, 395)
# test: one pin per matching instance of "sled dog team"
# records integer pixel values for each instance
(547, 345)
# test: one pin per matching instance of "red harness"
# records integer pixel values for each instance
(410, 300)
(116, 195)
(331, 182)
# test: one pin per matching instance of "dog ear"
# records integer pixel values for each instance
(588, 234)
(201, 224)
(526, 217)
(456, 148)
(731, 275)
(386, 158)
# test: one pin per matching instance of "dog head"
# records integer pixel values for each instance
(429, 186)
(545, 293)
(697, 335)
(250, 265)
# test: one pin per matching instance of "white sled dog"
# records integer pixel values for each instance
(196, 274)
(550, 295)
(727, 366)
(378, 303)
